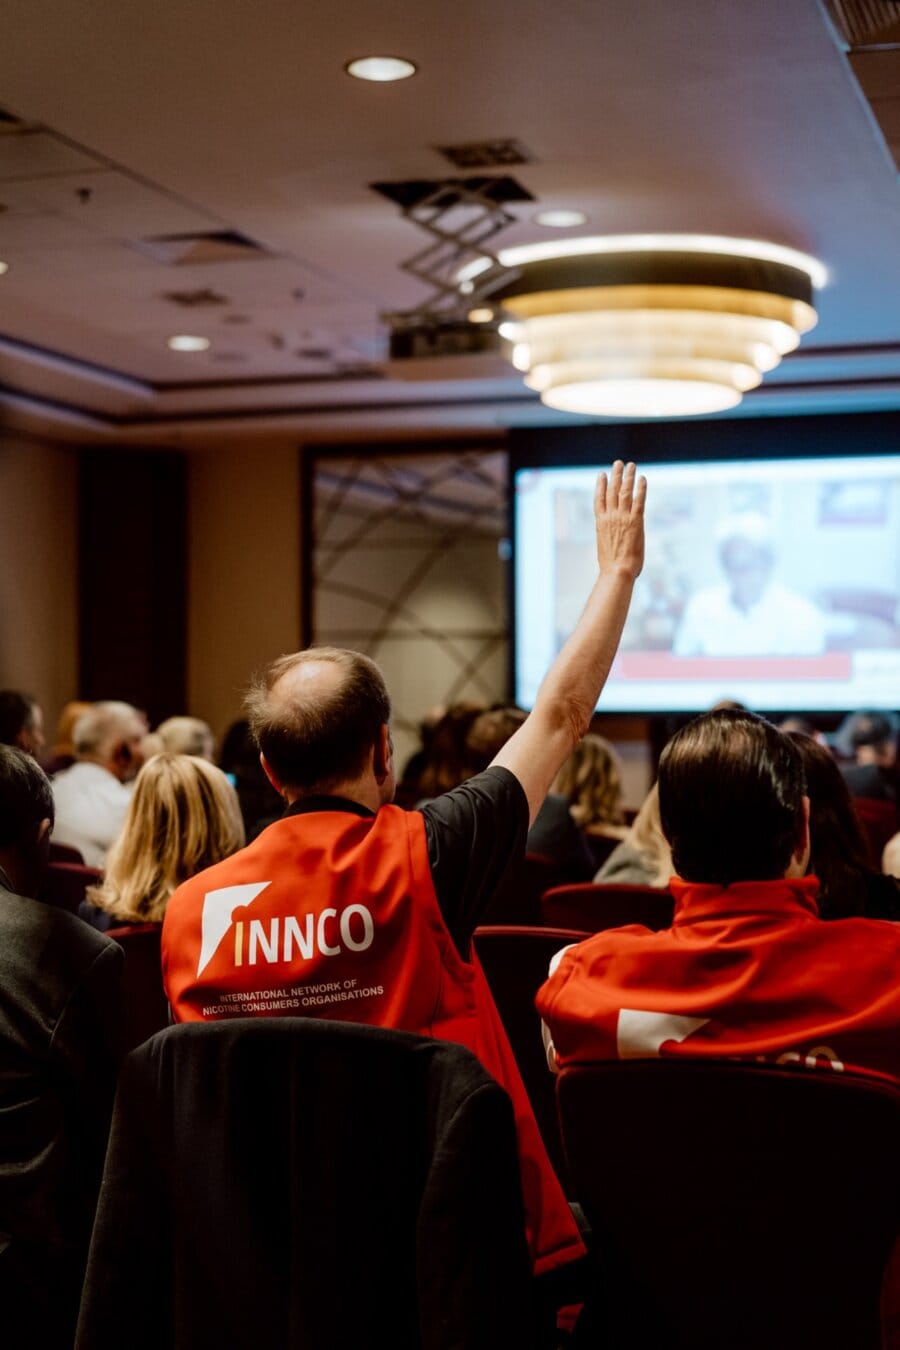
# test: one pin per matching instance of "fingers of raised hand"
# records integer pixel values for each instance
(640, 496)
(626, 491)
(600, 493)
(615, 486)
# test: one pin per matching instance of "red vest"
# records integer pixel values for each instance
(330, 914)
(749, 971)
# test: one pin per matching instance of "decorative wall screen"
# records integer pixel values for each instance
(406, 565)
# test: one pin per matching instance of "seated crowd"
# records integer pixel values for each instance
(782, 947)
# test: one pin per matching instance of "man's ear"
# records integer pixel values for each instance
(44, 831)
(383, 754)
(270, 774)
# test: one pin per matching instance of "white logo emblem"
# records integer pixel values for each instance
(218, 907)
(640, 1035)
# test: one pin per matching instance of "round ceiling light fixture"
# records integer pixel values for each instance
(653, 325)
(560, 219)
(188, 342)
(380, 69)
(4, 267)
(480, 314)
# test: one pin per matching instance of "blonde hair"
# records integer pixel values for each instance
(647, 839)
(183, 817)
(591, 780)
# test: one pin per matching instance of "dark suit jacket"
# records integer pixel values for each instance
(60, 1017)
(290, 1183)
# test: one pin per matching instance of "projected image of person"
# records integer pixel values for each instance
(750, 613)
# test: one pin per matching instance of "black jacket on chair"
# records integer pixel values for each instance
(287, 1182)
(60, 1020)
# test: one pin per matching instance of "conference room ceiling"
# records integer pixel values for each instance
(235, 124)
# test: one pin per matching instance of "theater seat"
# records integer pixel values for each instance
(146, 1005)
(595, 906)
(65, 884)
(515, 962)
(518, 901)
(880, 821)
(733, 1205)
(64, 853)
(296, 1184)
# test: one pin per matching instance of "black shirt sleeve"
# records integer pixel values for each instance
(475, 834)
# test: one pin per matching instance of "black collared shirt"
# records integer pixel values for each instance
(474, 834)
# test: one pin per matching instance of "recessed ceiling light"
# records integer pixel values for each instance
(560, 219)
(4, 267)
(186, 342)
(380, 69)
(481, 314)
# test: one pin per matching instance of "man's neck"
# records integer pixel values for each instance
(364, 791)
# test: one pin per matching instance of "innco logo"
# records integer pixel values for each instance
(280, 937)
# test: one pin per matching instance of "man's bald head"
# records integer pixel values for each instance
(317, 717)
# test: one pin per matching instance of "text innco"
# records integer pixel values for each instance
(283, 937)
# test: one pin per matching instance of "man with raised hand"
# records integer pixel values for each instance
(351, 908)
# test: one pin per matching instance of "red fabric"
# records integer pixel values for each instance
(341, 920)
(749, 971)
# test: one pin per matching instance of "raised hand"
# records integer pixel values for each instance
(619, 520)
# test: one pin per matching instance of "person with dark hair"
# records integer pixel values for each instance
(748, 969)
(839, 856)
(553, 833)
(60, 1010)
(21, 722)
(352, 908)
(870, 739)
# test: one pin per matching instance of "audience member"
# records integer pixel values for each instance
(352, 908)
(60, 1010)
(92, 795)
(890, 861)
(643, 858)
(748, 970)
(62, 752)
(553, 833)
(839, 856)
(21, 722)
(186, 736)
(239, 761)
(871, 739)
(183, 817)
(591, 782)
(410, 780)
(448, 764)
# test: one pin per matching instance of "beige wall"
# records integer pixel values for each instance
(39, 572)
(244, 563)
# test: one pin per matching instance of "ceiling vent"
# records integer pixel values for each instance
(198, 299)
(496, 154)
(185, 250)
(866, 23)
(414, 190)
(869, 33)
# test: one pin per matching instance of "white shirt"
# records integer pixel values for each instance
(90, 808)
(779, 624)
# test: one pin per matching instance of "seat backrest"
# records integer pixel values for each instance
(64, 853)
(515, 962)
(289, 1183)
(518, 900)
(595, 906)
(146, 1005)
(880, 821)
(65, 884)
(734, 1205)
